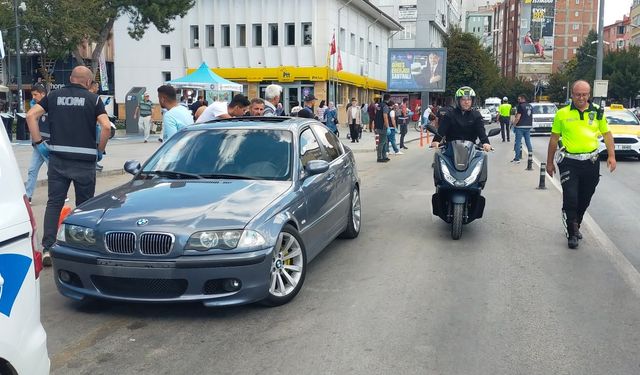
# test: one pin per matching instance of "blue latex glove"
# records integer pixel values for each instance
(98, 155)
(43, 149)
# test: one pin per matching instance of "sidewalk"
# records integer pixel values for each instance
(131, 147)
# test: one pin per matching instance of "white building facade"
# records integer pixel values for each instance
(259, 42)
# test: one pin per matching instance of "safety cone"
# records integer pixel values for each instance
(66, 210)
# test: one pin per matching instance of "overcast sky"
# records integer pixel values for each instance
(615, 9)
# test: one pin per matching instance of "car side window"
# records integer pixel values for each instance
(309, 147)
(330, 142)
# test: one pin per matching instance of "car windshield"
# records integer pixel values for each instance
(544, 109)
(224, 153)
(621, 117)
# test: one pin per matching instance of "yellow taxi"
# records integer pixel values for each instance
(625, 128)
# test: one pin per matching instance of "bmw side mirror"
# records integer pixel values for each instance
(132, 166)
(316, 167)
(494, 131)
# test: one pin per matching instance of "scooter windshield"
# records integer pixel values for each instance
(461, 154)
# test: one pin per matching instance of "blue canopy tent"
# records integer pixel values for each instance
(205, 79)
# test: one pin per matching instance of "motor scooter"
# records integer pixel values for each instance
(460, 174)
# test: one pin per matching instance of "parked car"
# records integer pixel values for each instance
(625, 128)
(23, 341)
(224, 213)
(486, 115)
(542, 117)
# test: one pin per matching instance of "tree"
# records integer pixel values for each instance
(468, 64)
(622, 70)
(142, 14)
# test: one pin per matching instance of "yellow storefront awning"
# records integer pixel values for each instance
(286, 74)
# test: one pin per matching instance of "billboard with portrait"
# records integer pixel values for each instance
(536, 32)
(417, 69)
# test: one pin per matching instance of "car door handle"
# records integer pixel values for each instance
(331, 176)
(345, 166)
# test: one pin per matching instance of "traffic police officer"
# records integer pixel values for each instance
(73, 112)
(579, 124)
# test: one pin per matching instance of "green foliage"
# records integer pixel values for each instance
(468, 64)
(622, 70)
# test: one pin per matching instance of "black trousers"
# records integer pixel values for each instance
(354, 131)
(504, 127)
(579, 180)
(61, 173)
(403, 132)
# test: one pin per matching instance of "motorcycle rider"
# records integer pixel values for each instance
(463, 122)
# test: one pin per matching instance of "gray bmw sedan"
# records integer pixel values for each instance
(225, 213)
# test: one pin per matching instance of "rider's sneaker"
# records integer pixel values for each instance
(515, 161)
(399, 153)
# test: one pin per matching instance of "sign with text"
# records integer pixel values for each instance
(600, 88)
(417, 69)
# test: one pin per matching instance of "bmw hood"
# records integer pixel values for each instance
(167, 205)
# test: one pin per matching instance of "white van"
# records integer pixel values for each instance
(23, 341)
(492, 105)
(542, 117)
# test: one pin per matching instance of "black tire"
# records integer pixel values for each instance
(278, 296)
(456, 224)
(355, 216)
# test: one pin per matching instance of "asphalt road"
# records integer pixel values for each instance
(508, 298)
(615, 205)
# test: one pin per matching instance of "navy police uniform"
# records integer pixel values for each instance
(72, 111)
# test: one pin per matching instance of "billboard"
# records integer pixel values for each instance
(417, 69)
(536, 32)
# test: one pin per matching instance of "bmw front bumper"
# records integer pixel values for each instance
(214, 280)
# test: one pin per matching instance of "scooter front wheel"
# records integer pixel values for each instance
(456, 224)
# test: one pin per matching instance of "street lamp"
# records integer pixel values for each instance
(17, 7)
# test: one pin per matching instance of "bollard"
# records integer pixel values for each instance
(543, 171)
(530, 162)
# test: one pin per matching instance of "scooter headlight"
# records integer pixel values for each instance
(446, 174)
(474, 174)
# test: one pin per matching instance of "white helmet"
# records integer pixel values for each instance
(505, 99)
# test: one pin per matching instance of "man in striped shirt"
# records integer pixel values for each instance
(144, 109)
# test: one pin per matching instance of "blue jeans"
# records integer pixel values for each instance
(526, 133)
(34, 168)
(392, 139)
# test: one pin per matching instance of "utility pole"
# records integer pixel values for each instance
(599, 56)
(18, 62)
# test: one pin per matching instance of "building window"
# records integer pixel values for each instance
(577, 14)
(353, 43)
(620, 30)
(273, 34)
(361, 48)
(577, 1)
(342, 39)
(166, 52)
(369, 52)
(166, 76)
(257, 35)
(306, 34)
(576, 26)
(195, 36)
(226, 35)
(575, 39)
(210, 36)
(241, 35)
(290, 29)
(575, 50)
(409, 31)
(377, 54)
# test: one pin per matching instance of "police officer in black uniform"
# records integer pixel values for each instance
(73, 112)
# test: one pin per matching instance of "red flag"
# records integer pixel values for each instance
(339, 66)
(332, 45)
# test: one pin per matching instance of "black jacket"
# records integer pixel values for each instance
(458, 125)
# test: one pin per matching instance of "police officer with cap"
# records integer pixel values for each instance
(579, 124)
(73, 112)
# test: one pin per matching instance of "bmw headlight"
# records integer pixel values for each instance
(225, 240)
(76, 235)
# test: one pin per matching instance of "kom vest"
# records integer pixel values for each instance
(73, 111)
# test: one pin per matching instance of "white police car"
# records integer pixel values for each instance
(23, 341)
(625, 128)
